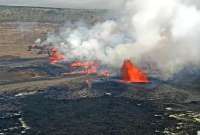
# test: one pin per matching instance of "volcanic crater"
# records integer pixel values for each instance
(37, 97)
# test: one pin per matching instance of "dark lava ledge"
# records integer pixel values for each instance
(62, 106)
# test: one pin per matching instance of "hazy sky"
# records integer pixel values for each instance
(65, 3)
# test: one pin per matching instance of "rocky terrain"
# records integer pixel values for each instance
(21, 26)
(36, 98)
(49, 15)
(15, 37)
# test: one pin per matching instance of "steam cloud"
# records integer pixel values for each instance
(155, 34)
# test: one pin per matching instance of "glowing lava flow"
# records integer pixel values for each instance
(104, 73)
(84, 64)
(131, 73)
(90, 67)
(55, 56)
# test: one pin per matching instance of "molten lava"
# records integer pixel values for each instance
(84, 64)
(131, 73)
(90, 67)
(105, 73)
(55, 56)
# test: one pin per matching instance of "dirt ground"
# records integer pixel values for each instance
(16, 37)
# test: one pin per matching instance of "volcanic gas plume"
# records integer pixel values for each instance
(165, 33)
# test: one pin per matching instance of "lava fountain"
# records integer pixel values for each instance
(132, 74)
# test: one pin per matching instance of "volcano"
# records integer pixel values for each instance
(132, 74)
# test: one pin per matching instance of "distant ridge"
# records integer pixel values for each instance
(16, 6)
(48, 14)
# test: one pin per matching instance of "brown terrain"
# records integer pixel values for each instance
(21, 26)
(16, 37)
(37, 98)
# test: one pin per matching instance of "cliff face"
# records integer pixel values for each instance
(16, 37)
(21, 26)
(54, 15)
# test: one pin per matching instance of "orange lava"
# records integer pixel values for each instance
(84, 64)
(90, 67)
(131, 73)
(104, 73)
(55, 56)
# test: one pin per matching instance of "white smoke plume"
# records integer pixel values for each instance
(155, 34)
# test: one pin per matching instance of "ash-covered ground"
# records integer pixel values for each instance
(36, 98)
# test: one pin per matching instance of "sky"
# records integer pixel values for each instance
(102, 4)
